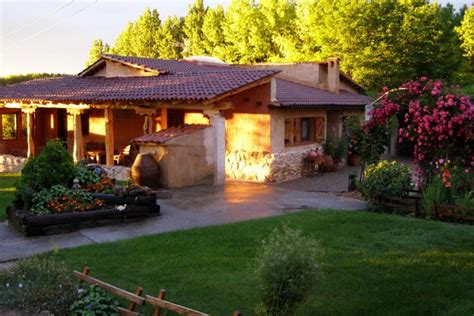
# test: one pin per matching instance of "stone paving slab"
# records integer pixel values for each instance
(190, 207)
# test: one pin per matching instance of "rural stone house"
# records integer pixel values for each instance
(205, 121)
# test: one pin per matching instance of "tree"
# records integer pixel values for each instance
(170, 44)
(279, 18)
(139, 38)
(98, 48)
(123, 44)
(245, 33)
(214, 41)
(146, 31)
(466, 33)
(192, 29)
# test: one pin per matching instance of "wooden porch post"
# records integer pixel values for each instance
(29, 131)
(109, 136)
(164, 118)
(78, 149)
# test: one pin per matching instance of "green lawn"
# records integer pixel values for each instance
(7, 191)
(372, 264)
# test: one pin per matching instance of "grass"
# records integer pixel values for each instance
(7, 192)
(371, 264)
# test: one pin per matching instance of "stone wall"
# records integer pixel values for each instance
(9, 163)
(264, 166)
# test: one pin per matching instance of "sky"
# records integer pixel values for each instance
(55, 36)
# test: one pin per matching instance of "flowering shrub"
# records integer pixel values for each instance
(60, 199)
(437, 119)
(385, 178)
(86, 176)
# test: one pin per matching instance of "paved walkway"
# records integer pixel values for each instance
(190, 207)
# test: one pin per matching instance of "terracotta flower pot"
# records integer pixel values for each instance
(354, 160)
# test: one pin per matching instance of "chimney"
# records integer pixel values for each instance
(333, 74)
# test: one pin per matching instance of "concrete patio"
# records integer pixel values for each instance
(189, 208)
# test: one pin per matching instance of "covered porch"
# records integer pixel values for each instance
(102, 133)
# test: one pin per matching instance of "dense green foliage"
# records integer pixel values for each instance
(7, 192)
(396, 40)
(94, 301)
(371, 264)
(12, 79)
(385, 178)
(286, 271)
(36, 285)
(54, 166)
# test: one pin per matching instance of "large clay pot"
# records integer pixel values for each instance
(354, 160)
(328, 163)
(145, 171)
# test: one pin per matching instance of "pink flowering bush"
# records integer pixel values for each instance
(437, 119)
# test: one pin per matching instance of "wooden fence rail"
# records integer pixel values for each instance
(135, 299)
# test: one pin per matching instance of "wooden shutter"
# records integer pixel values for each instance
(319, 129)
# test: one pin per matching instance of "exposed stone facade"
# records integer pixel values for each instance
(9, 163)
(118, 172)
(264, 166)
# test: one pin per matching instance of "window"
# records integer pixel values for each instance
(9, 126)
(304, 130)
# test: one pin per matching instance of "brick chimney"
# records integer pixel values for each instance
(333, 74)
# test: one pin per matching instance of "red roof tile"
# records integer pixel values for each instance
(180, 86)
(291, 94)
(165, 135)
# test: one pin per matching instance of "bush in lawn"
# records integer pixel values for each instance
(52, 167)
(286, 270)
(433, 193)
(385, 178)
(38, 284)
(94, 301)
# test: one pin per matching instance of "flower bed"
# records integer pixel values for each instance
(54, 197)
(115, 210)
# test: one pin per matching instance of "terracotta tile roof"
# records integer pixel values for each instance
(168, 134)
(180, 86)
(170, 65)
(291, 94)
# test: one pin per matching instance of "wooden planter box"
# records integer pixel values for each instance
(33, 225)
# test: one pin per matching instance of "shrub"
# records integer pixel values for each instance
(433, 193)
(342, 148)
(86, 176)
(286, 270)
(385, 178)
(38, 284)
(52, 167)
(466, 200)
(94, 301)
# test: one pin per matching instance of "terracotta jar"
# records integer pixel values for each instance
(312, 155)
(145, 171)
